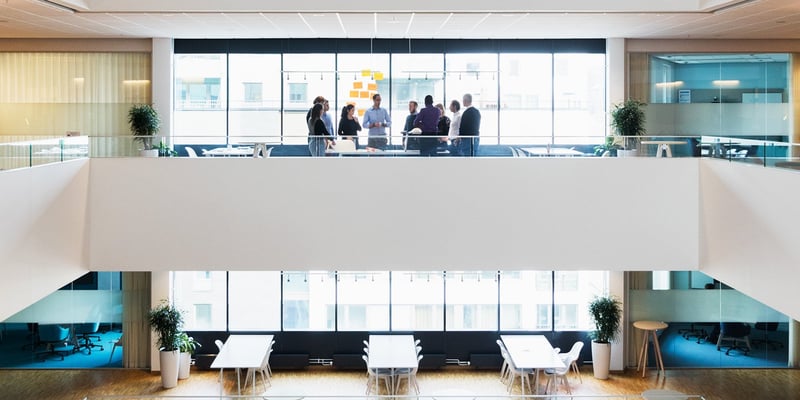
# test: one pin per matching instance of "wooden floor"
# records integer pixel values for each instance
(713, 384)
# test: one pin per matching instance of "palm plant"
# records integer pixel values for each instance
(627, 120)
(606, 312)
(166, 320)
(144, 123)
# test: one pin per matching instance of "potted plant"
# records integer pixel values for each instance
(187, 346)
(144, 123)
(627, 121)
(606, 313)
(166, 321)
(608, 148)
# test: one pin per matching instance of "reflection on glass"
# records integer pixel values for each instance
(578, 98)
(201, 294)
(360, 77)
(305, 76)
(417, 301)
(526, 98)
(414, 76)
(255, 100)
(254, 300)
(475, 74)
(200, 98)
(471, 299)
(363, 301)
(309, 300)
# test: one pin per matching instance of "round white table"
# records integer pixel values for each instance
(650, 327)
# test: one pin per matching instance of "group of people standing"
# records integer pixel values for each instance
(436, 129)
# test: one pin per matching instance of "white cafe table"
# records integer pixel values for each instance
(242, 351)
(391, 352)
(552, 152)
(532, 352)
(229, 152)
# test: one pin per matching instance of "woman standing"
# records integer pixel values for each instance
(348, 124)
(319, 137)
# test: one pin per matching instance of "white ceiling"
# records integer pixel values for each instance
(520, 19)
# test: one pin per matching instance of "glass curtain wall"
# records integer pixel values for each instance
(534, 96)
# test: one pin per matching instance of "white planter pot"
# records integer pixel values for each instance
(601, 359)
(185, 365)
(149, 153)
(169, 368)
(627, 153)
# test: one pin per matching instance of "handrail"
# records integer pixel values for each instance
(416, 397)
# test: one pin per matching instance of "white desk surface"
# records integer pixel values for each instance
(531, 352)
(392, 351)
(365, 152)
(243, 351)
(552, 152)
(229, 152)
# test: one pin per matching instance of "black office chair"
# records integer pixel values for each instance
(84, 333)
(56, 338)
(766, 328)
(736, 333)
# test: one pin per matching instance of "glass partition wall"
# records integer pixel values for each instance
(745, 96)
(700, 311)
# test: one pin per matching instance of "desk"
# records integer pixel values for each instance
(650, 327)
(391, 352)
(229, 152)
(552, 152)
(373, 153)
(532, 352)
(663, 145)
(242, 351)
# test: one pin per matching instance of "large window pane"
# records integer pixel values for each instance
(254, 300)
(471, 300)
(476, 74)
(417, 301)
(363, 301)
(573, 290)
(255, 93)
(414, 76)
(200, 99)
(525, 300)
(305, 77)
(579, 98)
(201, 294)
(526, 98)
(309, 300)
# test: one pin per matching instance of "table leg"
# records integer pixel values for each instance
(659, 149)
(221, 382)
(644, 352)
(668, 149)
(239, 380)
(657, 348)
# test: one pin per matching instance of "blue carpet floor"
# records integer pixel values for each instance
(17, 350)
(679, 352)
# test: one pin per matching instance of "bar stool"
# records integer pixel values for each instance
(648, 328)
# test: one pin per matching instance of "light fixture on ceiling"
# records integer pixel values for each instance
(726, 82)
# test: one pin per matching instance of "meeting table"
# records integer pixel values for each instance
(391, 352)
(242, 351)
(532, 352)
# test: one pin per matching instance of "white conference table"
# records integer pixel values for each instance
(532, 352)
(229, 152)
(552, 152)
(391, 352)
(242, 351)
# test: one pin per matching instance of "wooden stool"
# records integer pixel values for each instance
(649, 327)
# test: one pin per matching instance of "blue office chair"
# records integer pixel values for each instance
(84, 333)
(56, 338)
(736, 333)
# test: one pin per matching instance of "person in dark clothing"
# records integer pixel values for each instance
(469, 130)
(411, 143)
(442, 129)
(348, 124)
(427, 120)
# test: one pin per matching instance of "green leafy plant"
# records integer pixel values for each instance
(144, 123)
(627, 120)
(606, 312)
(165, 151)
(187, 344)
(166, 320)
(610, 145)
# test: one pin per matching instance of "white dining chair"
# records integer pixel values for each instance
(375, 376)
(554, 374)
(410, 374)
(574, 354)
(190, 151)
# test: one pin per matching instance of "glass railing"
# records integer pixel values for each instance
(21, 152)
(663, 395)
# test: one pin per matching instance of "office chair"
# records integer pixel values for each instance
(736, 332)
(84, 333)
(190, 151)
(118, 343)
(56, 338)
(766, 328)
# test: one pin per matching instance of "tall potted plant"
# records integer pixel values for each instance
(606, 313)
(187, 346)
(166, 321)
(627, 121)
(144, 123)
